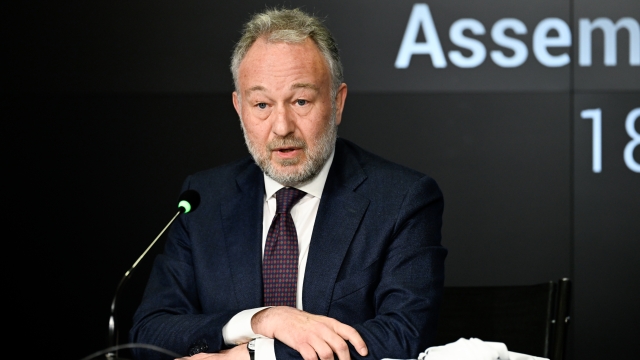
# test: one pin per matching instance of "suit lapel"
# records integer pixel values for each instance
(242, 223)
(339, 215)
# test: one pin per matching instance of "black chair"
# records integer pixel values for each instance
(528, 319)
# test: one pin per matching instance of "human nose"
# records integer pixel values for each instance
(283, 122)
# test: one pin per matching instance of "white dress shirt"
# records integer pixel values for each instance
(238, 329)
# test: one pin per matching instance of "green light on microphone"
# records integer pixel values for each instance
(185, 204)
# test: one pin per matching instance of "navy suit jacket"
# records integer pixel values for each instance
(375, 260)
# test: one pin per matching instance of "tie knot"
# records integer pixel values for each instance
(286, 198)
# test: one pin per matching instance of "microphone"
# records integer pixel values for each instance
(188, 202)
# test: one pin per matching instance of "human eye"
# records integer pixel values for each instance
(301, 102)
(261, 105)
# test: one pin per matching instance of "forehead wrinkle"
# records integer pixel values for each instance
(292, 87)
(255, 88)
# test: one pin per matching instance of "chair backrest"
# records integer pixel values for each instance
(562, 318)
(528, 319)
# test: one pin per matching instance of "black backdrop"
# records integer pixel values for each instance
(109, 105)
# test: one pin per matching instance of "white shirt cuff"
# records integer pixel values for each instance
(265, 349)
(238, 330)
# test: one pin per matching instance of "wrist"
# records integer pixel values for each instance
(260, 322)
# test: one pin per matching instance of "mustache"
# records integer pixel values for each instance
(287, 141)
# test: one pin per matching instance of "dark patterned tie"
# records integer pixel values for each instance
(280, 262)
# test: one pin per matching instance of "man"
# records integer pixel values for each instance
(366, 277)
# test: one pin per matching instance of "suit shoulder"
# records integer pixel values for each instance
(221, 176)
(376, 166)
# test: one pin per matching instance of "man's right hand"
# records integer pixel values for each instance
(313, 336)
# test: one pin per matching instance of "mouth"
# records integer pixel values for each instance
(287, 155)
(286, 150)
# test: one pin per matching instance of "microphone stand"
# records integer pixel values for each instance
(113, 334)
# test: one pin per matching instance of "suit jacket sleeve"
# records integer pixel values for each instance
(171, 314)
(210, 268)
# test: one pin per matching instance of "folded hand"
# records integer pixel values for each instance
(313, 336)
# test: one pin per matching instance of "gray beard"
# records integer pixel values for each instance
(312, 165)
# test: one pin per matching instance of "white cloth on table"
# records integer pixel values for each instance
(472, 349)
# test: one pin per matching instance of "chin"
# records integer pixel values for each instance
(287, 170)
(289, 165)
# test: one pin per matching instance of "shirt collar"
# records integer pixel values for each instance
(313, 187)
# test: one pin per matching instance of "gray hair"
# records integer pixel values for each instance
(290, 26)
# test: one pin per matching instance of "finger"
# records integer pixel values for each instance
(307, 352)
(353, 336)
(325, 348)
(340, 349)
(345, 332)
(325, 336)
(200, 356)
(193, 357)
